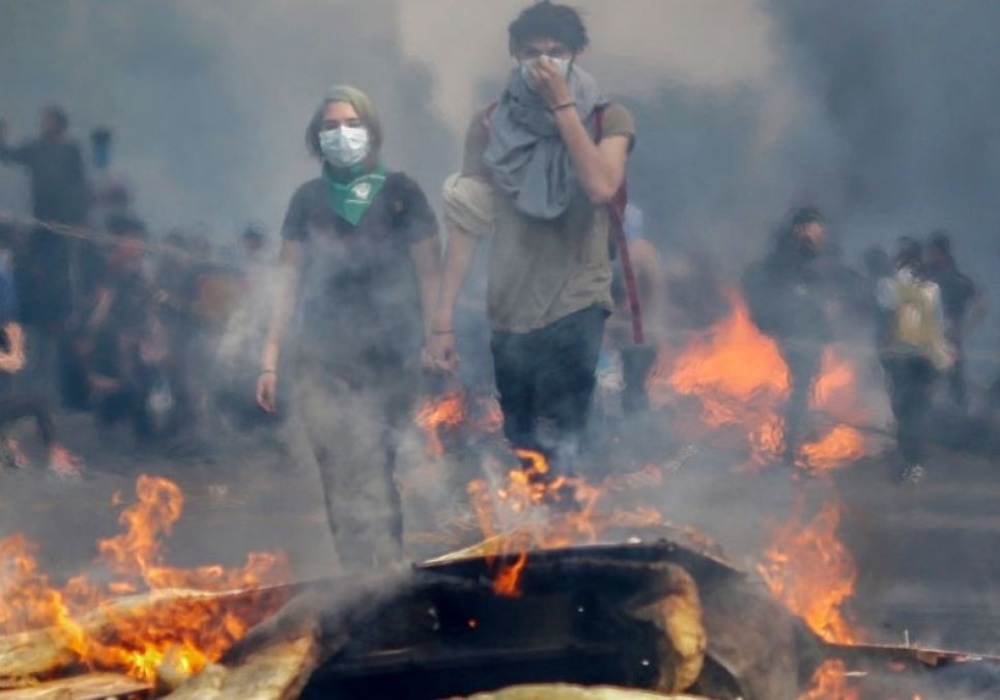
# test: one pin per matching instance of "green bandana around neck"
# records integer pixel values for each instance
(353, 192)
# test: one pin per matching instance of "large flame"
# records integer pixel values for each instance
(187, 629)
(811, 571)
(741, 380)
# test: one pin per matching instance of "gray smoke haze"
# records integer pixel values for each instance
(882, 113)
(909, 90)
(210, 100)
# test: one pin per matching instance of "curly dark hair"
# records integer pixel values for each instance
(549, 20)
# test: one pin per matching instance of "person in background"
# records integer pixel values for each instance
(122, 342)
(790, 296)
(360, 256)
(915, 351)
(542, 167)
(59, 194)
(15, 405)
(651, 287)
(253, 244)
(963, 304)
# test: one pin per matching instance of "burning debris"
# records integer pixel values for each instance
(810, 570)
(132, 613)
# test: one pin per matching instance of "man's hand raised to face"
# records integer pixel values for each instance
(549, 81)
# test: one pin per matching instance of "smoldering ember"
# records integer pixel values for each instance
(499, 349)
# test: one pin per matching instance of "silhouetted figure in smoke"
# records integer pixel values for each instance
(124, 346)
(254, 245)
(109, 197)
(790, 294)
(59, 195)
(360, 248)
(541, 168)
(962, 303)
(651, 287)
(876, 267)
(915, 352)
(15, 405)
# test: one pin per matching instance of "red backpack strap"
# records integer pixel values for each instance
(616, 211)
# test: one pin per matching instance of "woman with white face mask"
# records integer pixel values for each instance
(360, 263)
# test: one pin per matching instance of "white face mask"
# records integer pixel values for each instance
(344, 146)
(561, 64)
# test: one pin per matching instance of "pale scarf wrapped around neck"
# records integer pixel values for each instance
(526, 156)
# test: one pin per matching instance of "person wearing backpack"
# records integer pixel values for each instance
(914, 353)
(542, 167)
(360, 265)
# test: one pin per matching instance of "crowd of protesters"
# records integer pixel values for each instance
(98, 315)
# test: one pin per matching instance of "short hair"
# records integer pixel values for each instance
(362, 105)
(59, 115)
(548, 20)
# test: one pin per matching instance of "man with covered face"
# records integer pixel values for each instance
(791, 294)
(542, 166)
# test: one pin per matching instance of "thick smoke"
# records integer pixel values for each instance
(910, 90)
(210, 101)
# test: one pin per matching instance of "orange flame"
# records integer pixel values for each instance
(449, 411)
(834, 395)
(810, 570)
(188, 629)
(534, 510)
(829, 682)
(440, 412)
(740, 379)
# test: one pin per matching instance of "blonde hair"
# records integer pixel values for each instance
(362, 105)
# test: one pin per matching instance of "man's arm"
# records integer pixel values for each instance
(457, 263)
(601, 166)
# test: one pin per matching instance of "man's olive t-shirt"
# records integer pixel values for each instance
(539, 270)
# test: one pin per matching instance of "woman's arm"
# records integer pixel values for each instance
(426, 256)
(283, 305)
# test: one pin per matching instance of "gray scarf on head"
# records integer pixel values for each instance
(526, 155)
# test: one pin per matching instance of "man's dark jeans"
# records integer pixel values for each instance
(804, 361)
(546, 380)
(911, 380)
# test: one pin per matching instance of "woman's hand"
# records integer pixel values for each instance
(267, 391)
